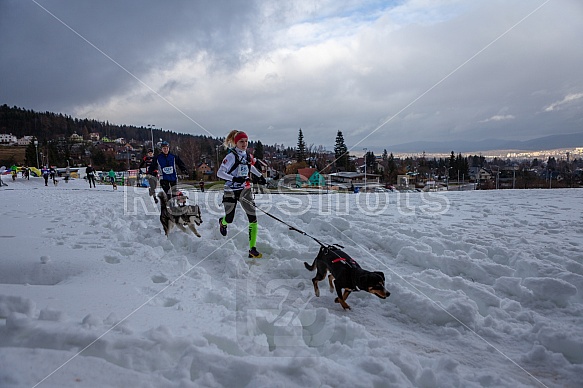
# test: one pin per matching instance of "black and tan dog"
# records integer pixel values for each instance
(345, 273)
(177, 211)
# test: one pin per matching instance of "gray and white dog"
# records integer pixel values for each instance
(177, 211)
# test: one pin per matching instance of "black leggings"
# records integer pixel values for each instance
(167, 187)
(230, 199)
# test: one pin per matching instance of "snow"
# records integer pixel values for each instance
(486, 290)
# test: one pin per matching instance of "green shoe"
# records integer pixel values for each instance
(222, 228)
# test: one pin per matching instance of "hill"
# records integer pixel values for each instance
(570, 140)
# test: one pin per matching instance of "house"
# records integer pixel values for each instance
(310, 177)
(7, 138)
(74, 138)
(25, 140)
(303, 176)
(479, 173)
(403, 181)
(94, 136)
(348, 180)
(204, 170)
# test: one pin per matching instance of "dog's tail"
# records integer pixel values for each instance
(163, 199)
(310, 267)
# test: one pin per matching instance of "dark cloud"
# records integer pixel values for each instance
(382, 72)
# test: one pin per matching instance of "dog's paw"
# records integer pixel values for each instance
(344, 305)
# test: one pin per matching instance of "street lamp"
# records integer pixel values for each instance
(36, 152)
(365, 168)
(151, 126)
(217, 148)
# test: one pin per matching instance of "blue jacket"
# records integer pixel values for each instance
(165, 165)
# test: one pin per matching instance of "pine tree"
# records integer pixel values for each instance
(341, 153)
(369, 160)
(259, 150)
(452, 166)
(392, 166)
(301, 150)
(385, 158)
(30, 154)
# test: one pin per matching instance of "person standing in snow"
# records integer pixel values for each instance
(235, 170)
(46, 173)
(165, 163)
(90, 171)
(111, 175)
(152, 178)
(53, 174)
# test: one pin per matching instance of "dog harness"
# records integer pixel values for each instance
(352, 264)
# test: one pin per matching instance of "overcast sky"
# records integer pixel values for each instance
(382, 72)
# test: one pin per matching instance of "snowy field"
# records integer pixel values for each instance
(486, 290)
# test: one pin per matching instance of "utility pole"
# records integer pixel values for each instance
(36, 151)
(151, 126)
(550, 179)
(365, 150)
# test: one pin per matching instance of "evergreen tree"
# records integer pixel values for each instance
(30, 155)
(369, 161)
(259, 153)
(341, 153)
(392, 167)
(451, 166)
(385, 158)
(301, 150)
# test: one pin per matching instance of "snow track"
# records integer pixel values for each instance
(486, 290)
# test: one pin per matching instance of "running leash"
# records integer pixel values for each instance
(291, 227)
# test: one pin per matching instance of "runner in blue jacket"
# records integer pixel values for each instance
(164, 165)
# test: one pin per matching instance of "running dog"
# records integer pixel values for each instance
(345, 273)
(177, 211)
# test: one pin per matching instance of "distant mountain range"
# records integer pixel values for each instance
(571, 140)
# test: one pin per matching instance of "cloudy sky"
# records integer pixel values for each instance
(382, 72)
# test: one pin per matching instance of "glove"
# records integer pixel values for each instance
(239, 179)
(261, 180)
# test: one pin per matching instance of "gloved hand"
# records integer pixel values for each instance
(261, 180)
(239, 179)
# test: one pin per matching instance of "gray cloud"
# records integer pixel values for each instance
(383, 72)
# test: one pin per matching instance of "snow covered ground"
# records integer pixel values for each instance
(486, 290)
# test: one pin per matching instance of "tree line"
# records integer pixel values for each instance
(54, 130)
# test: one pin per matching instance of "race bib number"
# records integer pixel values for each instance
(168, 170)
(243, 170)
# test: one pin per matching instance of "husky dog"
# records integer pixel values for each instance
(177, 211)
